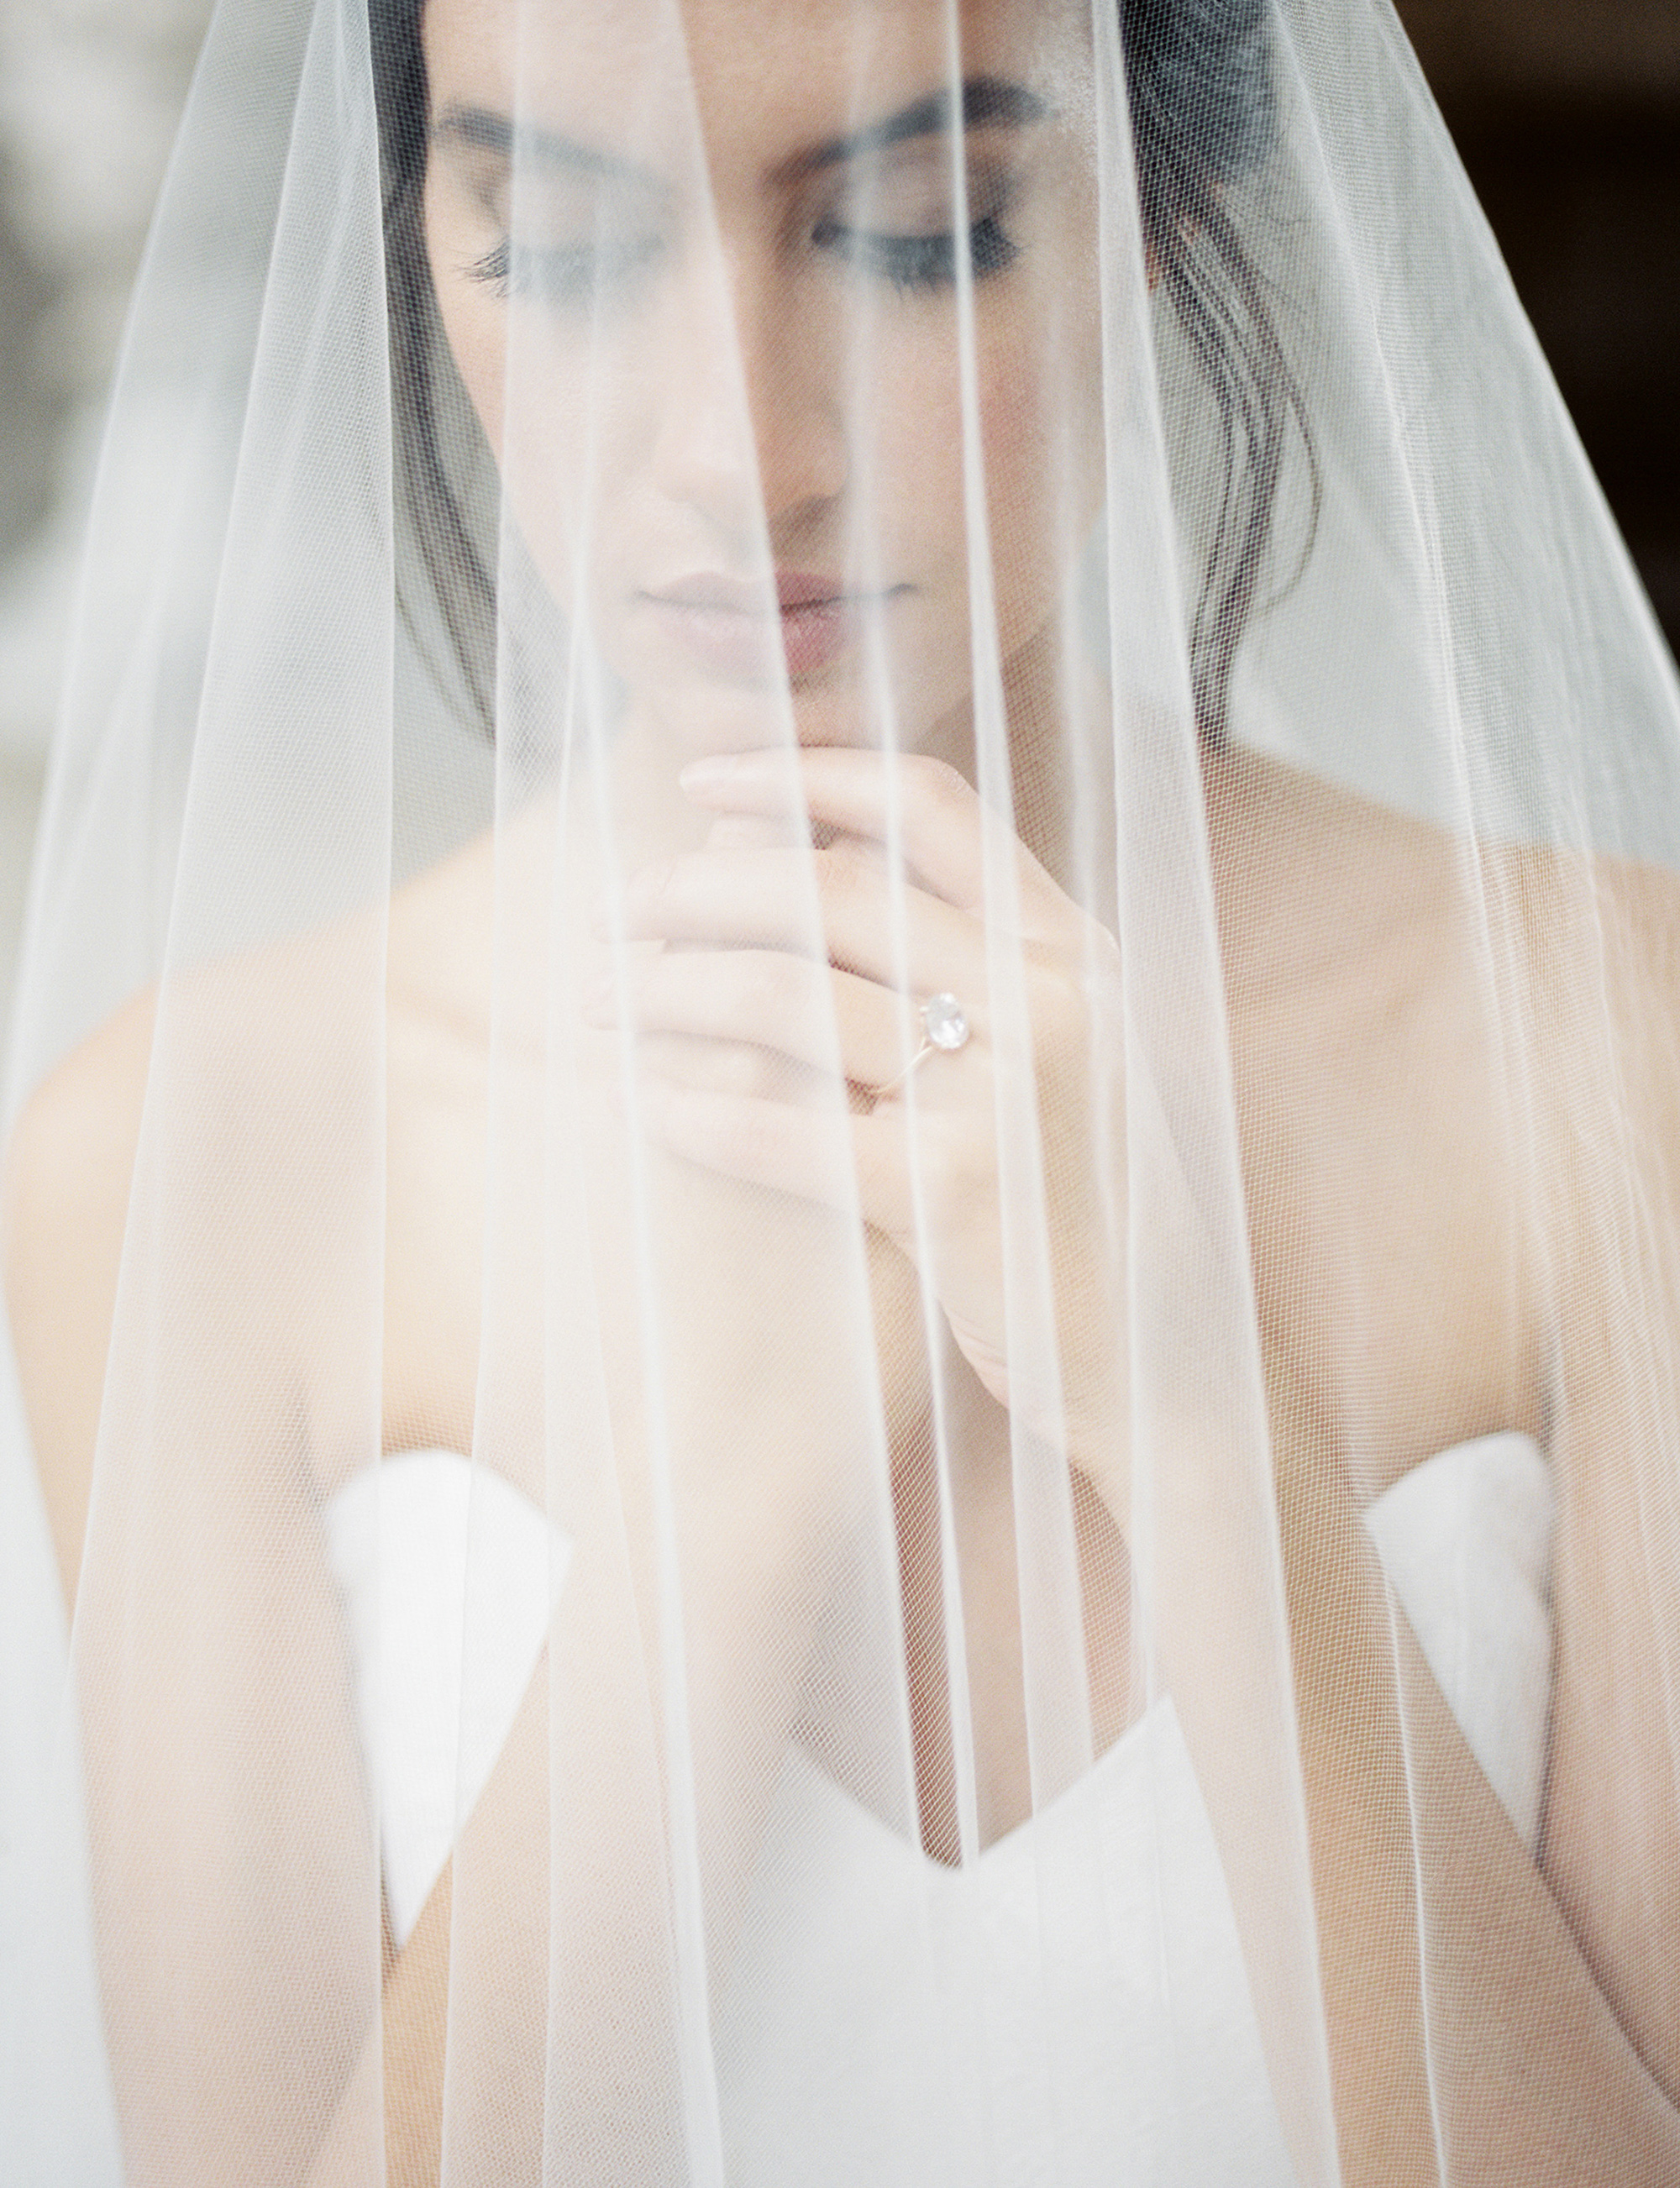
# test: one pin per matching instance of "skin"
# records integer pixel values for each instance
(1373, 1143)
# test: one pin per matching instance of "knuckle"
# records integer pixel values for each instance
(940, 784)
(1061, 1004)
(770, 985)
(751, 1140)
(742, 1070)
(842, 871)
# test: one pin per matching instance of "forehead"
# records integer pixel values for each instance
(765, 80)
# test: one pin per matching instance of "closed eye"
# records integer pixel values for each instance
(918, 261)
(567, 275)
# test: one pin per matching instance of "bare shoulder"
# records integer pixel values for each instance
(1602, 951)
(74, 1136)
(267, 1145)
(1640, 904)
(66, 1181)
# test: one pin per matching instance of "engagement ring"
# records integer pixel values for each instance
(944, 1025)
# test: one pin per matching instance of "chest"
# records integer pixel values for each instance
(1393, 1261)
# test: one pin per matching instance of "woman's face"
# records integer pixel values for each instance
(699, 267)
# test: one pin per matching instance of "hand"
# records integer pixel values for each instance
(787, 984)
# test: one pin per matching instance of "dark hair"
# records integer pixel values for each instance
(1202, 98)
(461, 581)
(1204, 116)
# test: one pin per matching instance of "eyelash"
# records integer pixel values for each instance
(910, 264)
(568, 276)
(916, 264)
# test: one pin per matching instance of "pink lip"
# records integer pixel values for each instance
(721, 622)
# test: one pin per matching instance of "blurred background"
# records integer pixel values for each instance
(1567, 113)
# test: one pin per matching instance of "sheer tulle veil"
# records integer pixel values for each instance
(842, 1183)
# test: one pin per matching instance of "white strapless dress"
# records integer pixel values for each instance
(829, 2038)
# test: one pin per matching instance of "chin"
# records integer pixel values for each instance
(842, 706)
(697, 716)
(822, 718)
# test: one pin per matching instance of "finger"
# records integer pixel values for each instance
(832, 903)
(824, 1156)
(766, 999)
(918, 807)
(730, 1068)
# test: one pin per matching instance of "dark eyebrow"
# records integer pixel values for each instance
(988, 102)
(485, 131)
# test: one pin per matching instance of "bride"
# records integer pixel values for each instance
(1008, 1227)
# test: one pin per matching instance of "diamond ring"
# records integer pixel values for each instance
(944, 1025)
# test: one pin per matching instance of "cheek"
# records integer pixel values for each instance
(1020, 426)
(908, 465)
(1039, 390)
(577, 438)
(519, 390)
(1041, 420)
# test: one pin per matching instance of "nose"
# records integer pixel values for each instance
(750, 430)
